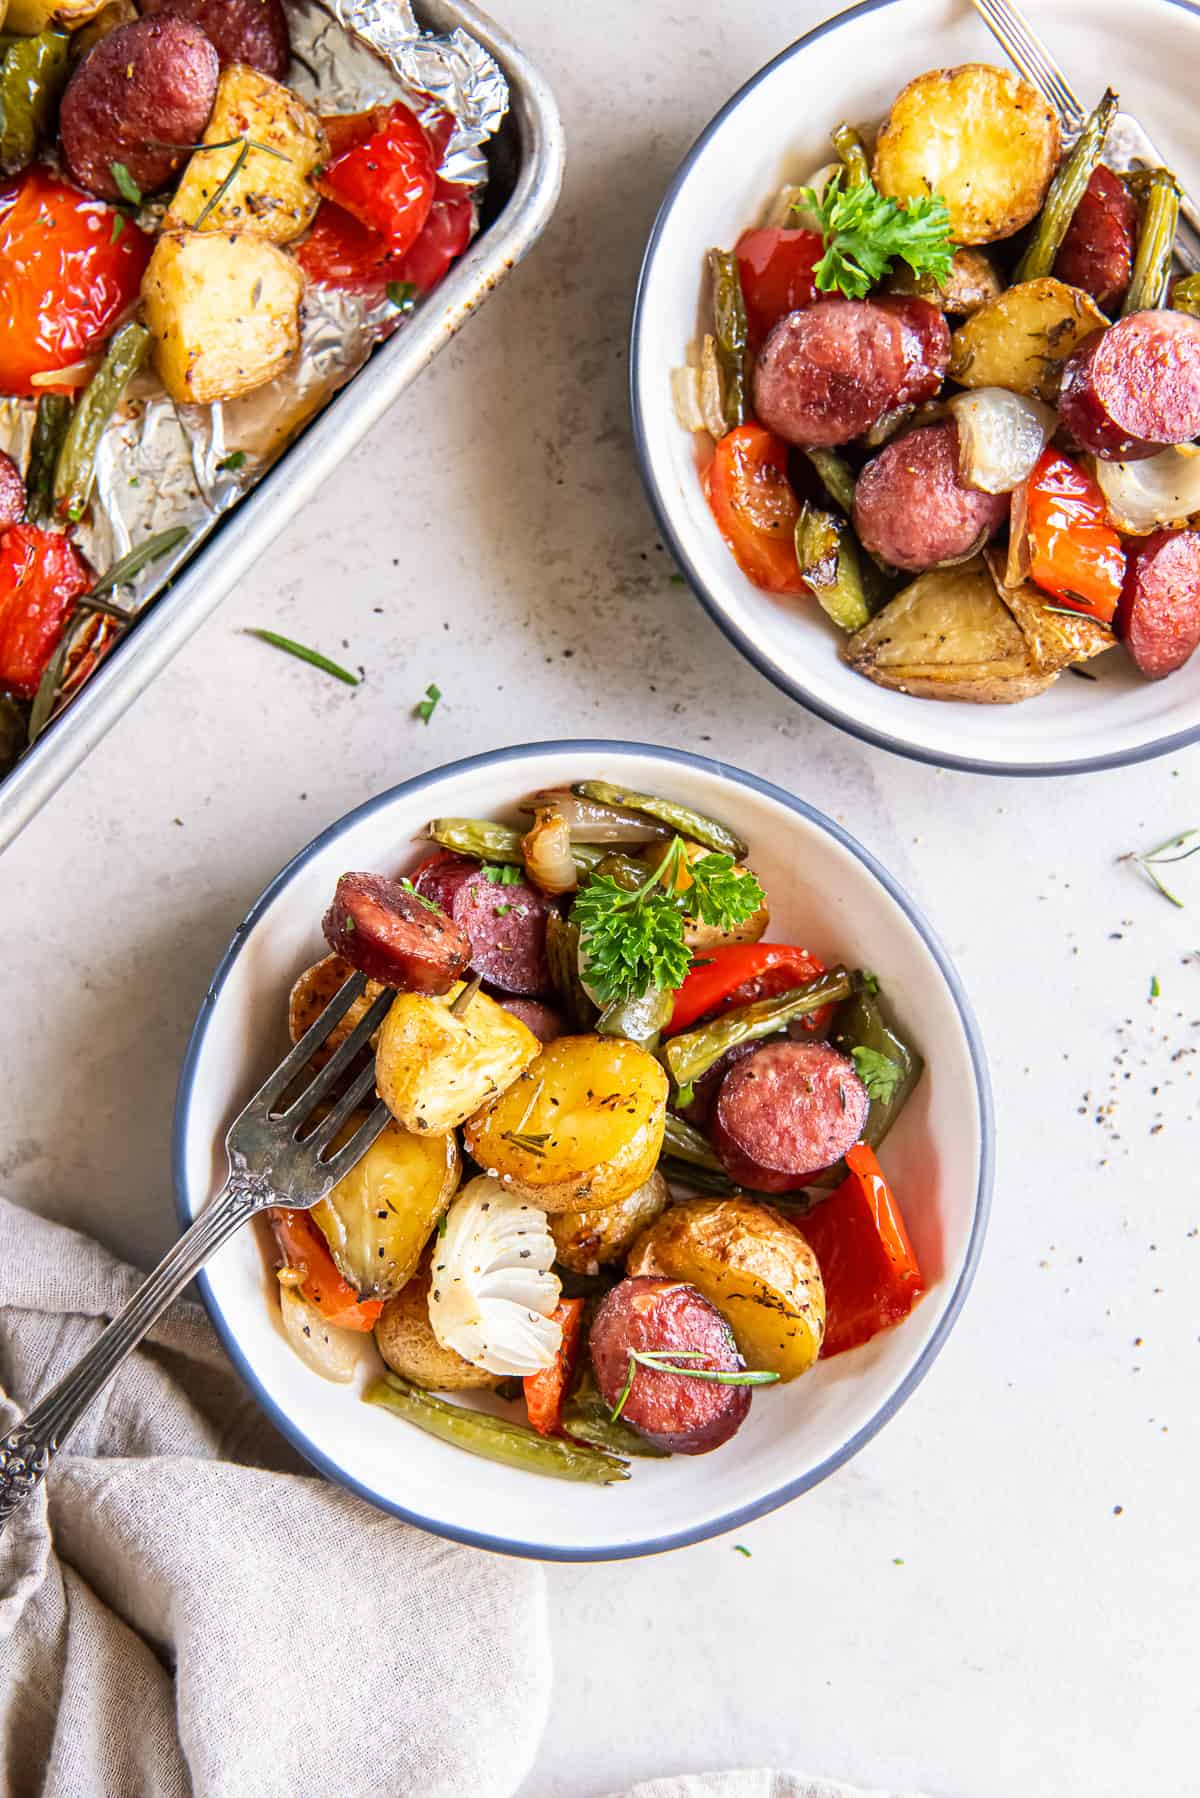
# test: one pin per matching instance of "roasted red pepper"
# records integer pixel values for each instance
(385, 180)
(546, 1392)
(341, 252)
(1075, 555)
(776, 267)
(867, 1263)
(739, 974)
(42, 574)
(65, 280)
(747, 487)
(305, 1249)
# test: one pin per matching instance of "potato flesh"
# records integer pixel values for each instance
(588, 1240)
(224, 313)
(979, 136)
(434, 1069)
(1020, 339)
(706, 936)
(270, 195)
(28, 18)
(754, 1266)
(1053, 640)
(312, 992)
(582, 1125)
(381, 1214)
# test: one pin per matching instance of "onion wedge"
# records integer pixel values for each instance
(1000, 436)
(1147, 496)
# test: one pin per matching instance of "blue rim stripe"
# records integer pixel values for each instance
(762, 658)
(594, 747)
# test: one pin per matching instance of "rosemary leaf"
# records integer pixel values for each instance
(304, 654)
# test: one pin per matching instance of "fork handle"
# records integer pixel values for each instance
(28, 1449)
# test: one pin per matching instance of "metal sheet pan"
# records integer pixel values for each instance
(525, 161)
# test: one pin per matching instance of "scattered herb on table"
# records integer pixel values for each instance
(304, 654)
(402, 294)
(865, 231)
(1151, 860)
(1155, 989)
(232, 462)
(425, 708)
(739, 1548)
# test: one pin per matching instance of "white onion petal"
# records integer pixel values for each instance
(788, 210)
(492, 1293)
(546, 848)
(1000, 436)
(1144, 496)
(698, 393)
(331, 1352)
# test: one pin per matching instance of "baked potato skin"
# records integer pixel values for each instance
(582, 1125)
(1020, 339)
(312, 992)
(601, 1235)
(1052, 639)
(979, 136)
(754, 1265)
(404, 1337)
(433, 1068)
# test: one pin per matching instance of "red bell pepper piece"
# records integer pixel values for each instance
(1075, 555)
(776, 267)
(546, 1391)
(747, 487)
(42, 574)
(304, 1248)
(385, 180)
(867, 1263)
(739, 974)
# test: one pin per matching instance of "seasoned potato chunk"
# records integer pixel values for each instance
(1020, 339)
(269, 194)
(582, 1126)
(404, 1337)
(979, 136)
(311, 994)
(30, 17)
(433, 1068)
(380, 1215)
(1052, 639)
(756, 1268)
(588, 1240)
(947, 636)
(224, 313)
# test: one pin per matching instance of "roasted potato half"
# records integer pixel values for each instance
(269, 194)
(404, 1337)
(971, 283)
(224, 313)
(433, 1068)
(756, 1268)
(312, 993)
(581, 1126)
(979, 136)
(588, 1240)
(1053, 639)
(1020, 339)
(948, 636)
(27, 18)
(381, 1214)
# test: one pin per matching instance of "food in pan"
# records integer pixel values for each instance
(629, 1182)
(951, 392)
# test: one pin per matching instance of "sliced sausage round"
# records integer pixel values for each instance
(143, 89)
(253, 31)
(1159, 612)
(393, 936)
(1130, 390)
(506, 924)
(543, 1020)
(684, 1416)
(705, 1090)
(12, 492)
(926, 339)
(912, 507)
(828, 371)
(785, 1113)
(1097, 251)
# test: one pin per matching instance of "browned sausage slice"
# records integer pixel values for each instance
(785, 1113)
(912, 507)
(1159, 613)
(828, 371)
(1135, 387)
(542, 1019)
(12, 492)
(506, 924)
(686, 1417)
(926, 339)
(394, 936)
(146, 87)
(253, 31)
(1097, 251)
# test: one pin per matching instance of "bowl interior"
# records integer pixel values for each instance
(824, 894)
(776, 131)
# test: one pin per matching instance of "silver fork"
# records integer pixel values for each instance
(1129, 146)
(270, 1164)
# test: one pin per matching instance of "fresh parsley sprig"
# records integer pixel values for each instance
(878, 1073)
(633, 941)
(865, 231)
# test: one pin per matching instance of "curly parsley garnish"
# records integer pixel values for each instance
(878, 1073)
(865, 231)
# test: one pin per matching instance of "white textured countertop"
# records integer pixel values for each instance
(998, 1596)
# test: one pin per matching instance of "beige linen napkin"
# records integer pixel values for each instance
(185, 1609)
(753, 1782)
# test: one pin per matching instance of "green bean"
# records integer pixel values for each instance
(75, 470)
(730, 331)
(692, 825)
(827, 553)
(562, 956)
(33, 76)
(690, 1055)
(837, 477)
(638, 1020)
(716, 1185)
(683, 1142)
(494, 1438)
(1185, 295)
(587, 1417)
(1065, 192)
(1156, 242)
(624, 870)
(852, 154)
(49, 429)
(485, 841)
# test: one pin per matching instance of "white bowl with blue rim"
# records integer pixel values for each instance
(775, 130)
(827, 893)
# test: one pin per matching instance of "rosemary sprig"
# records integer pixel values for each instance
(665, 1361)
(122, 572)
(525, 1139)
(304, 654)
(459, 1005)
(47, 690)
(214, 199)
(1152, 858)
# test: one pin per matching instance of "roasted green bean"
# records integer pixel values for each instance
(692, 825)
(730, 331)
(1065, 192)
(715, 1184)
(587, 1418)
(638, 1020)
(1151, 276)
(495, 1438)
(49, 429)
(837, 477)
(690, 1055)
(485, 841)
(33, 75)
(683, 1142)
(627, 872)
(848, 143)
(827, 553)
(75, 470)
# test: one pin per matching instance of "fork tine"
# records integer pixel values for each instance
(303, 1106)
(309, 1043)
(1031, 57)
(328, 1128)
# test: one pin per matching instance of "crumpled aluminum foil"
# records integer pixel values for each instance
(158, 464)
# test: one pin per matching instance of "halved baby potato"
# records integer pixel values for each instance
(404, 1337)
(312, 992)
(269, 193)
(30, 17)
(582, 1126)
(224, 312)
(587, 1240)
(381, 1214)
(433, 1068)
(1020, 339)
(1053, 639)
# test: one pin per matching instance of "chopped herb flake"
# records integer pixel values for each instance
(234, 460)
(301, 651)
(125, 184)
(425, 708)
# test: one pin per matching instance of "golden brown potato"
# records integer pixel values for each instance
(433, 1069)
(312, 992)
(1020, 339)
(112, 15)
(756, 1268)
(947, 636)
(972, 283)
(30, 17)
(979, 136)
(582, 1126)
(405, 1339)
(1053, 639)
(705, 936)
(270, 195)
(587, 1240)
(381, 1214)
(224, 313)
